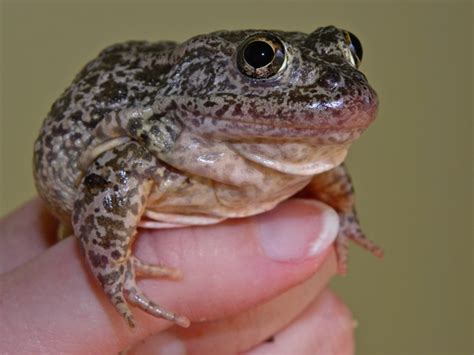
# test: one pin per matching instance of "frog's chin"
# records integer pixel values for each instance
(296, 158)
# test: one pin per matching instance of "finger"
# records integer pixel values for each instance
(228, 268)
(242, 332)
(25, 233)
(325, 328)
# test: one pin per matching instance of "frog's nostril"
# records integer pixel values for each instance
(329, 79)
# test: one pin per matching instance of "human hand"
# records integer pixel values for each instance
(245, 281)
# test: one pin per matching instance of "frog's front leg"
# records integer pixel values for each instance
(111, 200)
(156, 132)
(334, 187)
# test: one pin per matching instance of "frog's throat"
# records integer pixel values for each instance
(294, 158)
(245, 163)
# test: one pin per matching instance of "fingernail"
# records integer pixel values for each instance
(162, 344)
(297, 229)
(170, 345)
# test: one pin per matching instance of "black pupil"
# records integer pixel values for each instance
(258, 54)
(356, 45)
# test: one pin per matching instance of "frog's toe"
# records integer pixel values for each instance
(350, 230)
(137, 298)
(115, 291)
(361, 240)
(152, 270)
(122, 307)
(342, 250)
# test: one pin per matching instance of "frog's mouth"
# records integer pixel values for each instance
(333, 122)
(242, 130)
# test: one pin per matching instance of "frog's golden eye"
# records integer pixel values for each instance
(261, 56)
(355, 47)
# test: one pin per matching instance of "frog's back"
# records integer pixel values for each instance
(123, 75)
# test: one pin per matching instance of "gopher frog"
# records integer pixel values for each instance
(227, 124)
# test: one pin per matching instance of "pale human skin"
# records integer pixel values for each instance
(164, 135)
(49, 304)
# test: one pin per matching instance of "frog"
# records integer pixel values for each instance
(154, 135)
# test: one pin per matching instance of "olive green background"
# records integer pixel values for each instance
(412, 169)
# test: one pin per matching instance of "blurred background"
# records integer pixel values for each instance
(412, 169)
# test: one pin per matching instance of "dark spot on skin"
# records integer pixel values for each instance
(222, 110)
(210, 104)
(108, 279)
(48, 141)
(237, 110)
(91, 80)
(94, 181)
(111, 92)
(144, 138)
(97, 260)
(75, 136)
(76, 115)
(172, 105)
(115, 255)
(270, 340)
(110, 223)
(134, 125)
(59, 130)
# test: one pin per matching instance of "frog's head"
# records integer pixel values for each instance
(260, 87)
